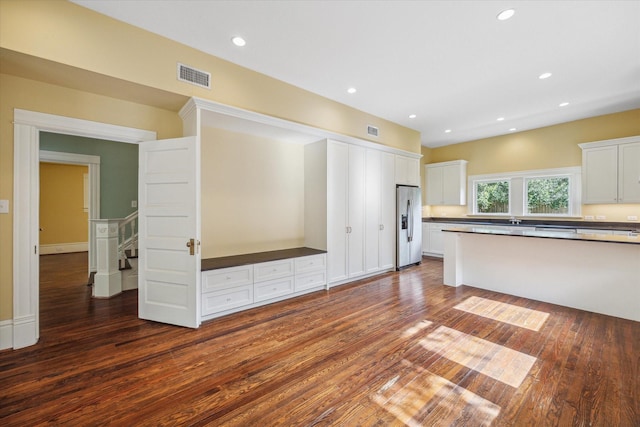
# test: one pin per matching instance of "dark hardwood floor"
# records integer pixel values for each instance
(398, 349)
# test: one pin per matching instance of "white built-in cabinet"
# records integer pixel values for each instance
(232, 289)
(346, 206)
(407, 170)
(446, 183)
(611, 171)
(350, 207)
(380, 212)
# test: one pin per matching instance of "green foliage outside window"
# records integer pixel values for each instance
(492, 197)
(548, 195)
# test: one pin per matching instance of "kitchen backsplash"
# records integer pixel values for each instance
(605, 213)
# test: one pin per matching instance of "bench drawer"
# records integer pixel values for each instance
(272, 270)
(273, 289)
(311, 263)
(226, 278)
(216, 301)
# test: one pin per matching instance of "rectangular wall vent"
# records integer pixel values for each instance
(372, 130)
(194, 76)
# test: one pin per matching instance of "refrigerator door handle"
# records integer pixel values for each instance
(410, 216)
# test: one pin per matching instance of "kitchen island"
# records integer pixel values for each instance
(585, 271)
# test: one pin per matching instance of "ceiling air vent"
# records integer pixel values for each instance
(372, 130)
(194, 76)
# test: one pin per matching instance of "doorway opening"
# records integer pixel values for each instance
(28, 127)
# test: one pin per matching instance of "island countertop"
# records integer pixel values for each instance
(526, 222)
(631, 238)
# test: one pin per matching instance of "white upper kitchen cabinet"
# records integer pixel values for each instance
(629, 173)
(407, 170)
(611, 171)
(446, 183)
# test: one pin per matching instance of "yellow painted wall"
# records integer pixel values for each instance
(62, 215)
(90, 41)
(62, 59)
(36, 96)
(252, 194)
(544, 148)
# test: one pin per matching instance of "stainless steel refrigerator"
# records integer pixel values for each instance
(409, 226)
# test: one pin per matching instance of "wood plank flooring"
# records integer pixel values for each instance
(397, 349)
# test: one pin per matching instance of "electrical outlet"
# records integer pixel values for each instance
(588, 217)
(632, 218)
(4, 206)
(134, 203)
(601, 217)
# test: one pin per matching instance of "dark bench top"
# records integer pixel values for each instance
(255, 258)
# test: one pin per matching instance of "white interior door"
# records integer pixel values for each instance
(169, 231)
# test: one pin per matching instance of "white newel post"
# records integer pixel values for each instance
(108, 280)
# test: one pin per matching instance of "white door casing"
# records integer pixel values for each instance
(169, 230)
(27, 125)
(93, 164)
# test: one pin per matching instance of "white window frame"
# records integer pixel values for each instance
(475, 197)
(518, 194)
(525, 195)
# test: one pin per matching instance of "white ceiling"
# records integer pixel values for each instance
(452, 63)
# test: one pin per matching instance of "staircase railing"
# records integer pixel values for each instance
(127, 238)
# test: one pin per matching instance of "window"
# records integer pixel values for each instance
(492, 197)
(547, 195)
(549, 192)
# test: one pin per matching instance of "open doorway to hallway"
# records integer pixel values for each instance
(70, 197)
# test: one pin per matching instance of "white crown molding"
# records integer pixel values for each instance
(609, 142)
(314, 133)
(78, 127)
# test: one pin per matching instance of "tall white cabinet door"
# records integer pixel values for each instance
(356, 211)
(372, 211)
(387, 229)
(600, 175)
(629, 173)
(169, 231)
(337, 195)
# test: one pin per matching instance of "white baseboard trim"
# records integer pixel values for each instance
(25, 331)
(64, 248)
(6, 334)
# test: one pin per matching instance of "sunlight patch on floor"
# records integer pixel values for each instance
(493, 360)
(416, 328)
(420, 398)
(503, 312)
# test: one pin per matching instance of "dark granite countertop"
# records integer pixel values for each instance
(573, 224)
(559, 234)
(254, 258)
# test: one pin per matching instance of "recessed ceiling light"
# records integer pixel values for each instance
(447, 131)
(352, 90)
(412, 116)
(544, 76)
(564, 104)
(238, 41)
(512, 129)
(506, 14)
(500, 119)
